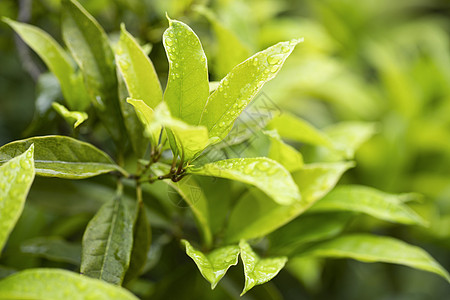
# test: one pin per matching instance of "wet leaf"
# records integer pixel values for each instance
(256, 270)
(35, 283)
(16, 177)
(240, 86)
(264, 173)
(63, 157)
(188, 86)
(215, 264)
(107, 243)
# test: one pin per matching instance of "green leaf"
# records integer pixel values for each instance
(262, 172)
(240, 86)
(283, 153)
(90, 48)
(188, 86)
(107, 243)
(54, 249)
(191, 192)
(133, 125)
(57, 61)
(215, 264)
(256, 270)
(75, 118)
(190, 139)
(230, 50)
(306, 229)
(36, 283)
(63, 157)
(137, 70)
(16, 177)
(255, 215)
(293, 128)
(142, 237)
(348, 136)
(370, 201)
(371, 248)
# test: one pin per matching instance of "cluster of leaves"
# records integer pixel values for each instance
(264, 204)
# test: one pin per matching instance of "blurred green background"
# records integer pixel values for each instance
(381, 61)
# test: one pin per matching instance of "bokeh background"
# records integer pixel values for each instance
(380, 61)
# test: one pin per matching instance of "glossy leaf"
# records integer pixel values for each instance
(63, 157)
(107, 243)
(57, 61)
(306, 229)
(255, 215)
(295, 129)
(370, 201)
(264, 173)
(215, 264)
(75, 118)
(240, 86)
(90, 48)
(142, 236)
(190, 139)
(35, 283)
(188, 86)
(283, 153)
(256, 270)
(230, 50)
(371, 248)
(192, 194)
(54, 249)
(16, 177)
(137, 70)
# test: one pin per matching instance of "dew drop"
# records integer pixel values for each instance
(273, 59)
(248, 169)
(242, 104)
(202, 59)
(255, 61)
(169, 42)
(225, 95)
(171, 34)
(222, 124)
(285, 49)
(220, 88)
(25, 164)
(264, 166)
(225, 81)
(13, 165)
(274, 68)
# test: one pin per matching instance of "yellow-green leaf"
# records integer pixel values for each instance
(59, 284)
(16, 177)
(215, 264)
(188, 86)
(62, 156)
(371, 248)
(256, 270)
(75, 118)
(240, 86)
(137, 70)
(262, 172)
